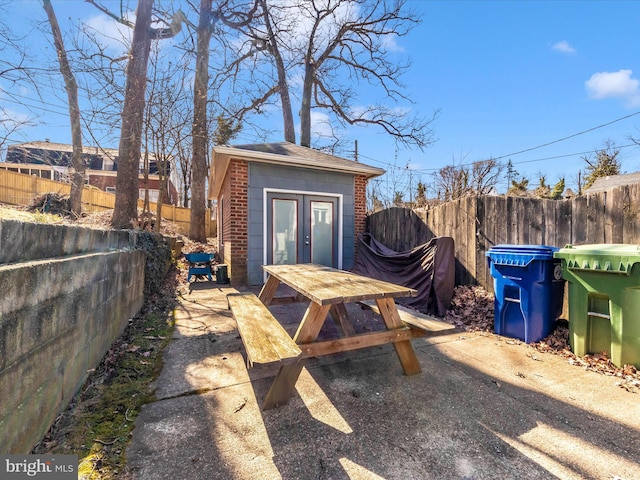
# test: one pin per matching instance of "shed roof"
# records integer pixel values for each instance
(282, 153)
(605, 183)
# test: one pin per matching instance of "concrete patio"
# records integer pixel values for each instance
(484, 407)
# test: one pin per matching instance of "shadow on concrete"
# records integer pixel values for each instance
(470, 414)
(484, 407)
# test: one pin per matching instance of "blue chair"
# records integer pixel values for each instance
(199, 264)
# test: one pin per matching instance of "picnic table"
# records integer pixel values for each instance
(328, 290)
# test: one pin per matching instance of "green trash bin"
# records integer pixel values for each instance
(604, 300)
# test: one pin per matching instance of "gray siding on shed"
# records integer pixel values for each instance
(264, 175)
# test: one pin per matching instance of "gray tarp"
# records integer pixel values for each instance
(428, 268)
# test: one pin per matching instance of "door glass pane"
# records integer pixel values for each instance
(322, 233)
(285, 220)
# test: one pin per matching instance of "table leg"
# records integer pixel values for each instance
(404, 349)
(268, 290)
(285, 381)
(341, 319)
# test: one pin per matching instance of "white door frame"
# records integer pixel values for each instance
(265, 227)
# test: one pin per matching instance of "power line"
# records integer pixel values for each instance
(568, 155)
(570, 136)
(429, 170)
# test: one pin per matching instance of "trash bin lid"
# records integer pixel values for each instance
(613, 257)
(520, 255)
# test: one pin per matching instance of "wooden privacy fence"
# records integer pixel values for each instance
(20, 189)
(478, 223)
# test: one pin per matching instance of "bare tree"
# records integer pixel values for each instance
(200, 143)
(183, 166)
(270, 41)
(485, 175)
(77, 178)
(126, 204)
(452, 182)
(334, 45)
(375, 201)
(455, 182)
(605, 163)
(232, 15)
(167, 120)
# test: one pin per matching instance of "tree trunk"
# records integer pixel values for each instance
(283, 86)
(126, 205)
(287, 113)
(77, 179)
(305, 107)
(159, 202)
(199, 162)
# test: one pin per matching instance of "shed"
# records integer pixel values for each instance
(282, 203)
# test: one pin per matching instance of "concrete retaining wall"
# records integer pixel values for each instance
(66, 294)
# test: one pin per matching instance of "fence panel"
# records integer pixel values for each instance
(614, 216)
(579, 221)
(20, 189)
(631, 214)
(595, 218)
(478, 223)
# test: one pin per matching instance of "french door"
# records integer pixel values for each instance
(302, 228)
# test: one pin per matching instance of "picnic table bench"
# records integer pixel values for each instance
(421, 323)
(265, 340)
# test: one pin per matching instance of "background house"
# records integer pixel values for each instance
(283, 203)
(53, 161)
(612, 181)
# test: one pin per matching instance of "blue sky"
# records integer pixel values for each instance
(507, 76)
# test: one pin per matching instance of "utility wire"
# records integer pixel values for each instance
(570, 136)
(428, 170)
(569, 155)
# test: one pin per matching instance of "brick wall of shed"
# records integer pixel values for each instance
(235, 218)
(360, 205)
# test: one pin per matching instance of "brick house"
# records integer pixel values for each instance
(53, 161)
(283, 203)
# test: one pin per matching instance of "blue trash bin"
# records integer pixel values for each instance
(528, 289)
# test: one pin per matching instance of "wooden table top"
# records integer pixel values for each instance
(326, 285)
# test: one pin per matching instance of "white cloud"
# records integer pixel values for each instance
(391, 44)
(9, 117)
(618, 84)
(563, 47)
(321, 125)
(114, 36)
